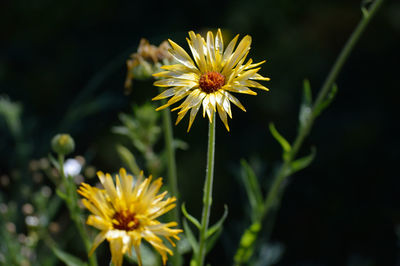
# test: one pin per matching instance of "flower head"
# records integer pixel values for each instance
(126, 213)
(209, 78)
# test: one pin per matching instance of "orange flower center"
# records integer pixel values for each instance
(125, 220)
(211, 82)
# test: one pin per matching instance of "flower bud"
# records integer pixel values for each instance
(63, 144)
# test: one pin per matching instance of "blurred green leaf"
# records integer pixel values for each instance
(284, 143)
(253, 188)
(213, 239)
(190, 236)
(217, 225)
(302, 163)
(128, 158)
(67, 258)
(246, 246)
(190, 217)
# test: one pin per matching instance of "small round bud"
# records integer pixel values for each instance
(63, 144)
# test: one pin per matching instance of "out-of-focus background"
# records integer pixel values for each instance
(64, 63)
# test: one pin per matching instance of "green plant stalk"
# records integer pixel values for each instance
(207, 194)
(74, 210)
(284, 170)
(172, 176)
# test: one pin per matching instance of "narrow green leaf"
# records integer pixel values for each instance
(213, 240)
(302, 163)
(218, 224)
(183, 245)
(61, 194)
(190, 236)
(54, 161)
(129, 159)
(253, 188)
(190, 217)
(329, 98)
(284, 143)
(67, 258)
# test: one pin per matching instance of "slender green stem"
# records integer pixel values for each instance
(73, 208)
(326, 87)
(207, 194)
(284, 171)
(172, 175)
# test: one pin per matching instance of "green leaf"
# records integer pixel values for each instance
(183, 245)
(253, 188)
(61, 194)
(54, 161)
(67, 258)
(328, 100)
(284, 143)
(218, 224)
(305, 112)
(302, 163)
(129, 159)
(213, 240)
(190, 217)
(246, 246)
(190, 236)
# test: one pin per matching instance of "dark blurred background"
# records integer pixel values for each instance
(64, 62)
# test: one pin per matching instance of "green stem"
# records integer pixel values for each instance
(326, 87)
(207, 196)
(172, 176)
(284, 171)
(73, 208)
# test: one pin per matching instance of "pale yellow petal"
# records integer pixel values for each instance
(235, 101)
(240, 89)
(223, 116)
(116, 247)
(180, 55)
(193, 114)
(229, 49)
(175, 82)
(240, 53)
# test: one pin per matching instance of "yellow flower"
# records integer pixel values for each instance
(126, 214)
(210, 78)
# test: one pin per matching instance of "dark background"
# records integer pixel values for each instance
(64, 61)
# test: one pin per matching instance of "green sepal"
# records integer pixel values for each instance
(253, 188)
(328, 100)
(217, 225)
(284, 143)
(192, 219)
(303, 162)
(67, 258)
(129, 159)
(190, 237)
(305, 112)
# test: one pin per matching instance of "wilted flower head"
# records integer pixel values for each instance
(209, 78)
(127, 212)
(146, 61)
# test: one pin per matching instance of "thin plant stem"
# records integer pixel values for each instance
(74, 210)
(284, 171)
(207, 193)
(326, 87)
(172, 176)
